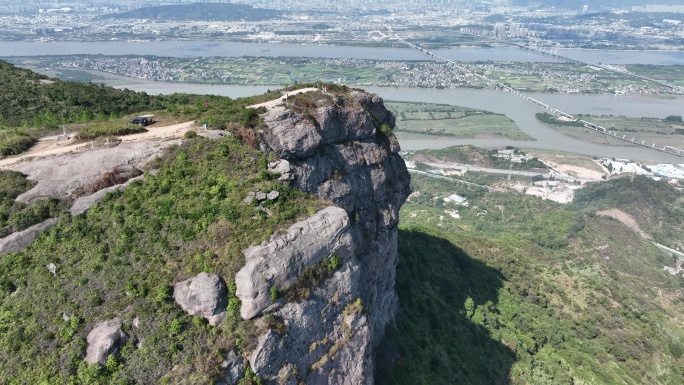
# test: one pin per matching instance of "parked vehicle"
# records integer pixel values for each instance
(144, 120)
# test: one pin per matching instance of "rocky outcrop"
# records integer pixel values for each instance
(234, 368)
(20, 240)
(333, 148)
(279, 263)
(59, 176)
(82, 204)
(204, 295)
(105, 339)
(327, 344)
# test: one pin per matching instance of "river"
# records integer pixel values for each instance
(236, 49)
(516, 108)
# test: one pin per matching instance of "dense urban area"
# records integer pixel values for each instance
(590, 24)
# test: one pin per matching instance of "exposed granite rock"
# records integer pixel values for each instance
(233, 367)
(320, 337)
(105, 339)
(280, 262)
(291, 135)
(214, 134)
(21, 239)
(204, 295)
(273, 195)
(337, 152)
(60, 176)
(281, 167)
(82, 204)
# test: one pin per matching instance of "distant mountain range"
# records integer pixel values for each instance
(199, 11)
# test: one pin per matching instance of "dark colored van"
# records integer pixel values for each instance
(141, 121)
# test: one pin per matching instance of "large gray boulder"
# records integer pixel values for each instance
(20, 240)
(105, 339)
(291, 134)
(204, 295)
(281, 261)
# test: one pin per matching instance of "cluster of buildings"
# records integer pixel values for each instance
(669, 171)
(674, 172)
(389, 73)
(552, 190)
(78, 20)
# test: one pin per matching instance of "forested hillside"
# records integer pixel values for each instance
(34, 100)
(524, 291)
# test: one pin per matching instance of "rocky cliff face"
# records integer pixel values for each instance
(333, 146)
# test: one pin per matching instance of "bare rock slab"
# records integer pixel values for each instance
(103, 340)
(204, 295)
(280, 262)
(234, 368)
(21, 239)
(83, 204)
(59, 176)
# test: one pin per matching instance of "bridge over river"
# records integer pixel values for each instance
(555, 111)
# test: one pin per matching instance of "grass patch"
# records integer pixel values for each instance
(14, 141)
(311, 278)
(105, 129)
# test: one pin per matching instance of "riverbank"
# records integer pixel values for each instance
(517, 109)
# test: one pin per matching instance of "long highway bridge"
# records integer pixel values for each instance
(554, 111)
(676, 89)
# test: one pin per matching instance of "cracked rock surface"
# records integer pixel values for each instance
(337, 152)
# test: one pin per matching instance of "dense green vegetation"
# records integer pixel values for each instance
(552, 119)
(523, 291)
(34, 100)
(655, 206)
(119, 258)
(14, 141)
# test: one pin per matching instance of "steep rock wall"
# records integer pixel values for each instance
(332, 145)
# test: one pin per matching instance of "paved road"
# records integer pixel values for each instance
(451, 179)
(466, 167)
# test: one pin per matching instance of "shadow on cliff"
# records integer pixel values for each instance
(437, 338)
